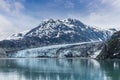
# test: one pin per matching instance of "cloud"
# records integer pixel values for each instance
(4, 21)
(11, 6)
(18, 7)
(6, 27)
(113, 3)
(101, 13)
(100, 19)
(12, 20)
(106, 15)
(69, 4)
(4, 5)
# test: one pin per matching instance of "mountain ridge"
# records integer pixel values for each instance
(54, 32)
(70, 27)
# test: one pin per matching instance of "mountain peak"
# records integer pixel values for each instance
(67, 31)
(67, 20)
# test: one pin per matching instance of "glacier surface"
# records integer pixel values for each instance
(84, 49)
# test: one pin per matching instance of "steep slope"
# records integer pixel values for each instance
(111, 48)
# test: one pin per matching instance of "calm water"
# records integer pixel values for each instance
(59, 69)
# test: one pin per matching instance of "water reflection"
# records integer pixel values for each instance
(59, 69)
(111, 69)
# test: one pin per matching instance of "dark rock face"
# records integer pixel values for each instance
(111, 48)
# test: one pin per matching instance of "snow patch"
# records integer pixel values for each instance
(96, 54)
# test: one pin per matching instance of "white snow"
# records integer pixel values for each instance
(66, 32)
(58, 35)
(70, 25)
(96, 54)
(16, 36)
(115, 54)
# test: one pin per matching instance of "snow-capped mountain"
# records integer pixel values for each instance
(65, 31)
(68, 30)
(54, 32)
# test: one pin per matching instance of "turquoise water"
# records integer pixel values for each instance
(59, 69)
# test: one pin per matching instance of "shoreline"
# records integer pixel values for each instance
(51, 58)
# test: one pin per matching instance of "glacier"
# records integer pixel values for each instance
(84, 49)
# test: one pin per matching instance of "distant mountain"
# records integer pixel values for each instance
(52, 32)
(17, 36)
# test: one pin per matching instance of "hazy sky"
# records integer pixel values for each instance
(20, 15)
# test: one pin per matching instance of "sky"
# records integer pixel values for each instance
(21, 15)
